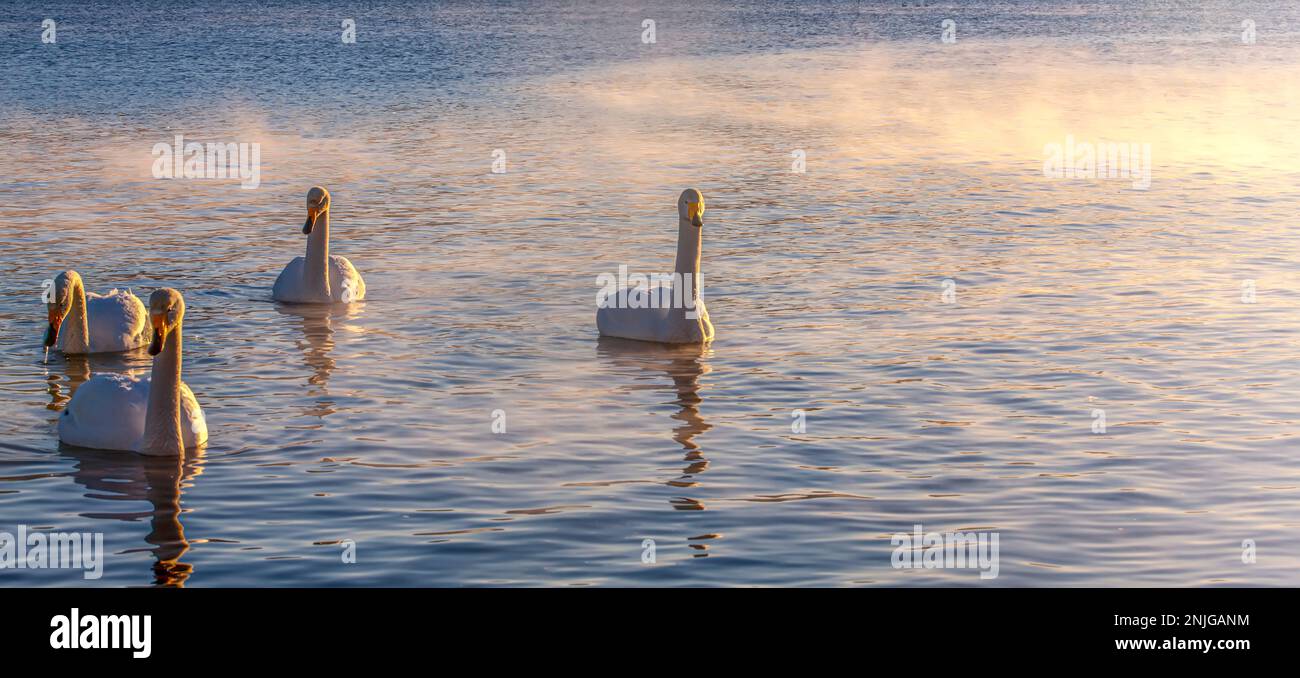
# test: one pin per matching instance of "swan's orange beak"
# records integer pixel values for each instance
(159, 321)
(52, 332)
(695, 212)
(312, 213)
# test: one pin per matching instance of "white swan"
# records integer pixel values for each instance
(654, 312)
(318, 278)
(158, 416)
(81, 323)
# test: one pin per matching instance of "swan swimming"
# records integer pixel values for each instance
(117, 412)
(318, 278)
(675, 321)
(93, 323)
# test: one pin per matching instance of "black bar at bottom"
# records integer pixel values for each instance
(315, 626)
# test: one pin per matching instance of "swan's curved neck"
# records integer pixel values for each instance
(690, 239)
(162, 421)
(76, 328)
(315, 270)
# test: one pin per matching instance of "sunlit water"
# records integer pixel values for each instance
(924, 164)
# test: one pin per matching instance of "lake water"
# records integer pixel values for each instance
(949, 324)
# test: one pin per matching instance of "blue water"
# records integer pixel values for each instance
(923, 165)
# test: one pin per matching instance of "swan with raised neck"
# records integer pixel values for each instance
(319, 277)
(648, 316)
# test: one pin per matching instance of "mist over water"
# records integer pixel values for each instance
(924, 164)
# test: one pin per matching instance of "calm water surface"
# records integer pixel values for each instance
(374, 423)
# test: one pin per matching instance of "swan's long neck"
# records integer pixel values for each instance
(315, 270)
(76, 328)
(690, 239)
(162, 421)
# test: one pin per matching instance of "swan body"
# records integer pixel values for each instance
(82, 322)
(318, 277)
(108, 412)
(290, 287)
(158, 416)
(663, 325)
(655, 313)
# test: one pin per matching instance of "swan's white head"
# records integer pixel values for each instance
(61, 306)
(318, 203)
(690, 207)
(166, 308)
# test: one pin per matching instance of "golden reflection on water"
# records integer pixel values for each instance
(318, 324)
(160, 481)
(684, 365)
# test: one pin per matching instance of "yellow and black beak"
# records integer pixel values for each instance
(52, 332)
(159, 333)
(312, 214)
(695, 212)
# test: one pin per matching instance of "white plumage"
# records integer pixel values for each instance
(108, 413)
(663, 325)
(319, 277)
(115, 322)
(346, 284)
(671, 319)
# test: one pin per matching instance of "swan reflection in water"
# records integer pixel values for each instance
(125, 476)
(65, 372)
(318, 323)
(116, 476)
(684, 364)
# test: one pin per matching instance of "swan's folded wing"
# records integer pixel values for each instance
(288, 287)
(637, 320)
(194, 428)
(116, 321)
(107, 413)
(345, 282)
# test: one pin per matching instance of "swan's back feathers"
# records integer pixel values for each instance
(116, 321)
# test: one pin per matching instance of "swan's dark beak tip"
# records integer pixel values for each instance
(51, 335)
(155, 346)
(306, 228)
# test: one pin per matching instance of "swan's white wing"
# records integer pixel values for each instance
(116, 321)
(664, 325)
(194, 427)
(346, 284)
(705, 325)
(288, 287)
(107, 413)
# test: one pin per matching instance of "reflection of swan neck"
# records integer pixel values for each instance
(315, 269)
(164, 478)
(320, 342)
(162, 421)
(686, 381)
